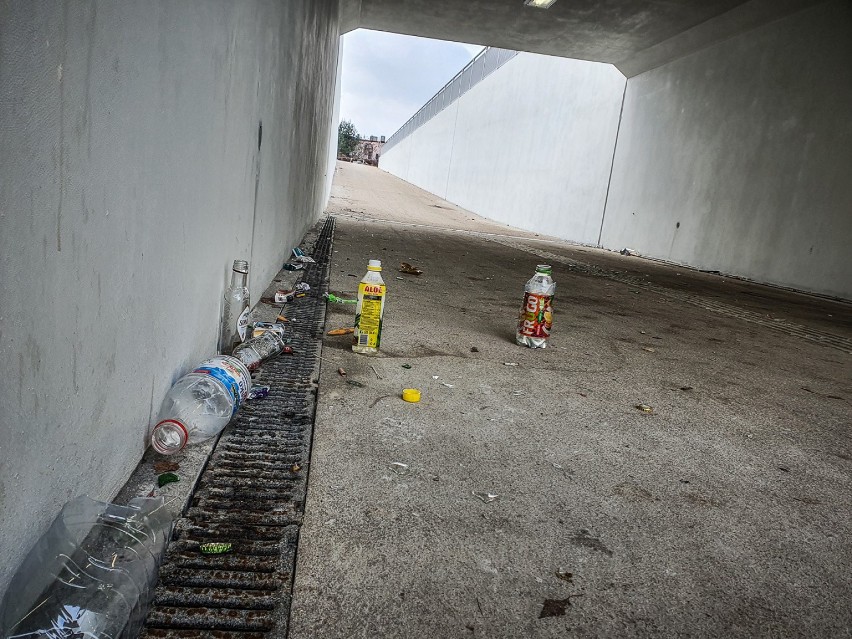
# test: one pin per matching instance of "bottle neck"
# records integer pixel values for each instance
(238, 279)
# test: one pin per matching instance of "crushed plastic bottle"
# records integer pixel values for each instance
(235, 311)
(201, 403)
(536, 317)
(255, 351)
(91, 575)
(368, 312)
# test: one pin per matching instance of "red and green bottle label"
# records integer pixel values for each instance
(536, 317)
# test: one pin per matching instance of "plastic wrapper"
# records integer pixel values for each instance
(91, 575)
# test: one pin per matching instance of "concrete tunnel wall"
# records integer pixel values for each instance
(130, 179)
(747, 144)
(499, 151)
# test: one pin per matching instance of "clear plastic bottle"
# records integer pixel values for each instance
(201, 403)
(369, 310)
(235, 310)
(536, 317)
(92, 573)
(254, 351)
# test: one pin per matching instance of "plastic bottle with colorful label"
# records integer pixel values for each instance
(536, 317)
(369, 310)
(201, 403)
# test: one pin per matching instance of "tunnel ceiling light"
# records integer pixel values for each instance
(539, 4)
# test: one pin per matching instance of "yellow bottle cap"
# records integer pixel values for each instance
(411, 395)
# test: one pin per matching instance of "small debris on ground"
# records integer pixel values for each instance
(565, 575)
(406, 366)
(258, 392)
(215, 548)
(355, 383)
(434, 377)
(645, 408)
(167, 478)
(411, 395)
(485, 498)
(165, 466)
(341, 331)
(293, 267)
(473, 349)
(407, 268)
(554, 607)
(295, 468)
(686, 388)
(510, 363)
(341, 372)
(399, 468)
(331, 297)
(649, 349)
(447, 385)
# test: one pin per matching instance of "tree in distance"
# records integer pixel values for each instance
(347, 138)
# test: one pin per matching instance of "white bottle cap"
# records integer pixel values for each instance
(374, 265)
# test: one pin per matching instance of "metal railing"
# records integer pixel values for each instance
(484, 64)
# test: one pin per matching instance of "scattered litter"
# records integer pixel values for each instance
(215, 548)
(341, 331)
(686, 388)
(341, 372)
(293, 267)
(556, 466)
(400, 278)
(281, 318)
(643, 333)
(517, 392)
(649, 349)
(629, 251)
(434, 377)
(406, 366)
(407, 268)
(564, 575)
(258, 392)
(299, 256)
(260, 328)
(645, 408)
(165, 466)
(485, 498)
(554, 607)
(582, 394)
(473, 349)
(295, 468)
(167, 478)
(411, 395)
(784, 468)
(510, 363)
(331, 297)
(399, 468)
(355, 383)
(447, 385)
(376, 372)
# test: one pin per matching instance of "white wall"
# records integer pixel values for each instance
(531, 145)
(130, 179)
(748, 146)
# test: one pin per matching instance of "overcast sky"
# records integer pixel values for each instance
(387, 77)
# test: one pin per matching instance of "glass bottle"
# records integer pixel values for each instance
(235, 310)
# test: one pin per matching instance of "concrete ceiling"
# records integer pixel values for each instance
(634, 35)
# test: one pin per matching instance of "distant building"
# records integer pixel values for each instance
(369, 150)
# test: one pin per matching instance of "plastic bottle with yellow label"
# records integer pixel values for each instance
(368, 312)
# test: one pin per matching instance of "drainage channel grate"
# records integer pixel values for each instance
(251, 494)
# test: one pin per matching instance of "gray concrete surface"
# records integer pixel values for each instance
(131, 176)
(498, 150)
(724, 513)
(638, 34)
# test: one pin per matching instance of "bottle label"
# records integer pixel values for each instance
(536, 317)
(368, 318)
(231, 377)
(242, 323)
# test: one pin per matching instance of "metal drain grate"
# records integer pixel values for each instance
(251, 494)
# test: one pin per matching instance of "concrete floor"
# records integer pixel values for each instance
(724, 513)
